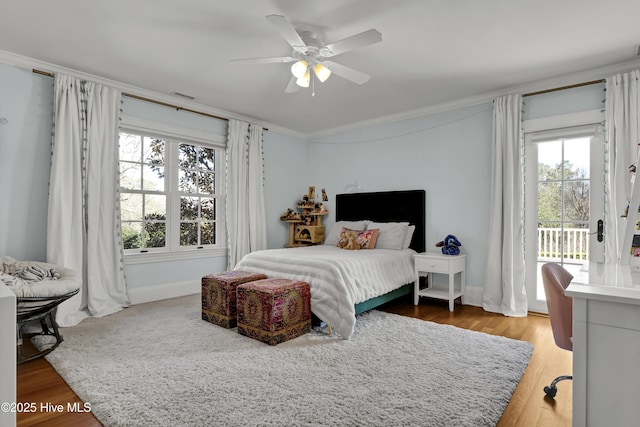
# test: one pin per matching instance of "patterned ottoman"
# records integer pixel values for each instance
(274, 310)
(219, 296)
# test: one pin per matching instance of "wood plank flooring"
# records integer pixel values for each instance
(38, 382)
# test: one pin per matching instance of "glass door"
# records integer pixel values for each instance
(561, 207)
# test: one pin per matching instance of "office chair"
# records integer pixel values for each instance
(555, 280)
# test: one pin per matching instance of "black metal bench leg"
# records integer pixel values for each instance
(19, 350)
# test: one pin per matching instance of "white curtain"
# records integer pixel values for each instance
(622, 129)
(504, 290)
(245, 211)
(83, 229)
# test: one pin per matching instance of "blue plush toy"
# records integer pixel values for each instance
(450, 245)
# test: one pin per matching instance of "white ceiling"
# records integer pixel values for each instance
(433, 51)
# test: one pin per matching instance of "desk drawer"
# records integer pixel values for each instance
(432, 265)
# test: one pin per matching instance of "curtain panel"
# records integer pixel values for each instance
(83, 227)
(504, 290)
(245, 210)
(622, 112)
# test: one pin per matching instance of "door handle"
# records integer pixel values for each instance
(600, 231)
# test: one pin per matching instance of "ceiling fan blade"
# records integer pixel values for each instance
(278, 59)
(347, 72)
(292, 87)
(287, 31)
(359, 40)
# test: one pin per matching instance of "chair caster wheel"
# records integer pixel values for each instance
(550, 391)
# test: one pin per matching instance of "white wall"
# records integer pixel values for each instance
(285, 177)
(446, 154)
(26, 102)
(583, 98)
(282, 162)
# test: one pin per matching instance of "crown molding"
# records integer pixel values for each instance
(406, 115)
(27, 63)
(538, 85)
(558, 81)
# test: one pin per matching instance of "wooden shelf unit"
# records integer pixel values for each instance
(308, 230)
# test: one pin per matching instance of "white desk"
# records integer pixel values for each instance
(7, 353)
(606, 346)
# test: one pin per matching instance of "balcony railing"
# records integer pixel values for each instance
(570, 244)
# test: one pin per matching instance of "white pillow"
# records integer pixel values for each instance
(407, 238)
(334, 233)
(392, 234)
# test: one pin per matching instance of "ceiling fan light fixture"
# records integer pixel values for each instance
(309, 53)
(304, 80)
(321, 72)
(299, 68)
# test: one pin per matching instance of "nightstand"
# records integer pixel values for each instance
(434, 262)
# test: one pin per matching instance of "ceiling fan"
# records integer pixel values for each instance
(310, 55)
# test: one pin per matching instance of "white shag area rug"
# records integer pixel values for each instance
(159, 364)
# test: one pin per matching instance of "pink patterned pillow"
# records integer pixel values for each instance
(367, 238)
(347, 239)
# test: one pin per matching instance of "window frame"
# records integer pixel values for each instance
(175, 135)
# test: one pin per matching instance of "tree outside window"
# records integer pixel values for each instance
(147, 196)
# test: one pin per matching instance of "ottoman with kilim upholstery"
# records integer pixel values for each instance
(219, 296)
(274, 310)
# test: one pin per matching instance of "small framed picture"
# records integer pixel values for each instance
(312, 192)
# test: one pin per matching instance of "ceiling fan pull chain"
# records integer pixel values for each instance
(313, 85)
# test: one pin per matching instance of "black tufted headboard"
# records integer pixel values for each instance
(386, 206)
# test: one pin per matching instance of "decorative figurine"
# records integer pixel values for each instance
(450, 245)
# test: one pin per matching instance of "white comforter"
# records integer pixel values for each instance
(339, 278)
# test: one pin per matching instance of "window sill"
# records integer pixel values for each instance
(151, 257)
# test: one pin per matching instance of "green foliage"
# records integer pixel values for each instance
(197, 177)
(155, 230)
(576, 194)
(130, 236)
(196, 163)
(156, 157)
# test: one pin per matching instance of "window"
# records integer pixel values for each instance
(143, 198)
(197, 189)
(169, 193)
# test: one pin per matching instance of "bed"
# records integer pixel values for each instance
(345, 283)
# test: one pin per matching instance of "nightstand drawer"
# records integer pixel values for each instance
(432, 265)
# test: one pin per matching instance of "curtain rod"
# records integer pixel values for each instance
(555, 89)
(142, 98)
(45, 73)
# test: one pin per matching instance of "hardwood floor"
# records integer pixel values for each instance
(38, 382)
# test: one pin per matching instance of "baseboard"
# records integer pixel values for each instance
(474, 295)
(163, 291)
